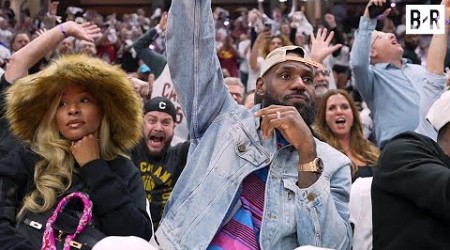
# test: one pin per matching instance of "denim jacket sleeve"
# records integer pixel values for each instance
(360, 58)
(154, 60)
(193, 64)
(327, 201)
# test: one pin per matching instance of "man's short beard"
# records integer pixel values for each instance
(306, 111)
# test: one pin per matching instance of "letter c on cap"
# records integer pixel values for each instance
(162, 105)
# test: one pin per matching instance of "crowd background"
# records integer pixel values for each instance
(240, 38)
(244, 36)
(233, 22)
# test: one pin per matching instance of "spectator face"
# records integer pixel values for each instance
(78, 113)
(158, 131)
(236, 92)
(20, 41)
(289, 83)
(275, 43)
(300, 40)
(276, 14)
(285, 29)
(3, 23)
(88, 48)
(66, 46)
(385, 47)
(339, 115)
(321, 81)
(322, 77)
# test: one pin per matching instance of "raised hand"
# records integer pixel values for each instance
(84, 31)
(142, 88)
(320, 45)
(377, 3)
(254, 15)
(262, 38)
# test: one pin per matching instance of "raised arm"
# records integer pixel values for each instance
(154, 60)
(256, 49)
(193, 64)
(320, 45)
(434, 83)
(29, 55)
(360, 56)
(438, 46)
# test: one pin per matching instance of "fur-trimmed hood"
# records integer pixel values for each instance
(29, 98)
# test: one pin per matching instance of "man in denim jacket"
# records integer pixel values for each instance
(238, 154)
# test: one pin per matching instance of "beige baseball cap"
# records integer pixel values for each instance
(281, 55)
(439, 113)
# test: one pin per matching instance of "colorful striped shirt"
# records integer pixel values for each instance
(242, 231)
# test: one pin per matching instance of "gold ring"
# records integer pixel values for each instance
(278, 114)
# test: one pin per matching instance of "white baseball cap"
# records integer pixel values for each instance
(439, 113)
(280, 55)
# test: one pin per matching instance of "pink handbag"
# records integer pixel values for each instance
(48, 240)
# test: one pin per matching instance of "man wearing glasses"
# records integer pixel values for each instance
(322, 83)
(397, 92)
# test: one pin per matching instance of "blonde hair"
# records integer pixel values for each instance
(53, 174)
(360, 147)
(31, 104)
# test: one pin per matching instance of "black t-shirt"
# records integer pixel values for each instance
(363, 171)
(159, 174)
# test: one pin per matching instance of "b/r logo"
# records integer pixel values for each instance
(425, 19)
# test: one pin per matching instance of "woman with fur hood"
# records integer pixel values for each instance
(76, 120)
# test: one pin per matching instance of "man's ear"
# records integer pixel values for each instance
(260, 86)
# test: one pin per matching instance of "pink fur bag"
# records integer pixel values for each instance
(48, 240)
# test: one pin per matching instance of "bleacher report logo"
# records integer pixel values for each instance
(425, 19)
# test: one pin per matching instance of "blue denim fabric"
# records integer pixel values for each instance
(227, 146)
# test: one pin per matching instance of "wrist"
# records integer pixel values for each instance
(307, 157)
(63, 30)
(317, 59)
(306, 150)
(314, 166)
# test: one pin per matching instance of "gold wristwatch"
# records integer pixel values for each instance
(315, 166)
